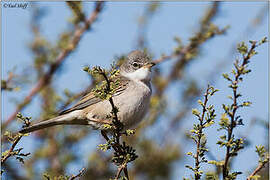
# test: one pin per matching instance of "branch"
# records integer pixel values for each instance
(164, 58)
(78, 175)
(235, 106)
(123, 154)
(120, 169)
(182, 55)
(11, 150)
(257, 170)
(46, 78)
(197, 161)
(114, 109)
(15, 139)
(187, 53)
(206, 119)
(263, 160)
(6, 84)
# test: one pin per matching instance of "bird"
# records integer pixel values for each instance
(132, 98)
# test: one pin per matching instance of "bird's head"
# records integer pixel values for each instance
(137, 66)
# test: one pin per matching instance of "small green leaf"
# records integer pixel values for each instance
(226, 76)
(264, 40)
(196, 112)
(217, 163)
(106, 126)
(242, 48)
(246, 103)
(208, 124)
(200, 102)
(130, 132)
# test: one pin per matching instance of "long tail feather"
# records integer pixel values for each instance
(63, 119)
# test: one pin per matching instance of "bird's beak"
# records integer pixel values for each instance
(149, 65)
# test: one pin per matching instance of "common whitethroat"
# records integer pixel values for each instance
(131, 98)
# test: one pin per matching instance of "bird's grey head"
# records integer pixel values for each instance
(137, 66)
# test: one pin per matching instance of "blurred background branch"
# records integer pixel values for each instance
(46, 78)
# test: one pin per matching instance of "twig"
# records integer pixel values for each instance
(11, 150)
(120, 169)
(194, 45)
(126, 172)
(114, 146)
(235, 107)
(181, 62)
(78, 175)
(206, 119)
(164, 58)
(197, 161)
(114, 109)
(45, 79)
(123, 154)
(260, 166)
(250, 29)
(5, 84)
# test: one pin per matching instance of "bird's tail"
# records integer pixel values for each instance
(62, 119)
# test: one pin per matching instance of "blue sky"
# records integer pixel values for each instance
(115, 33)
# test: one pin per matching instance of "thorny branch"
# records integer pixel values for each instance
(114, 109)
(206, 119)
(45, 79)
(235, 105)
(257, 170)
(73, 177)
(186, 54)
(263, 161)
(251, 28)
(11, 150)
(15, 140)
(197, 161)
(183, 58)
(123, 154)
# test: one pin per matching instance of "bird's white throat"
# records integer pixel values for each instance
(142, 74)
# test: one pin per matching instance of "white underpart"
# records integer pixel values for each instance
(141, 74)
(74, 114)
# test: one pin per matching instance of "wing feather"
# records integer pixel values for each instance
(90, 99)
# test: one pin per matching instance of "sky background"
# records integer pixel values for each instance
(116, 32)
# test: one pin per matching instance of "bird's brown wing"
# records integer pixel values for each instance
(90, 99)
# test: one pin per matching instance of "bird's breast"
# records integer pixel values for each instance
(133, 103)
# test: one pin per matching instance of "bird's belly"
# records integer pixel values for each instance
(133, 106)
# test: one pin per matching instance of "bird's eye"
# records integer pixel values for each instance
(135, 65)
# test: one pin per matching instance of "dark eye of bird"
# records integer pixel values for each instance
(135, 65)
